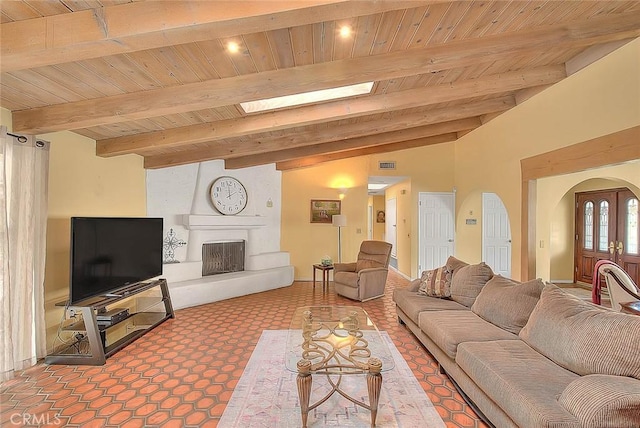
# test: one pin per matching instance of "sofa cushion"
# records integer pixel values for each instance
(467, 281)
(437, 283)
(583, 337)
(612, 401)
(411, 303)
(507, 303)
(522, 382)
(448, 329)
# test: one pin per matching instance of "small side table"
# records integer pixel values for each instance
(631, 308)
(325, 276)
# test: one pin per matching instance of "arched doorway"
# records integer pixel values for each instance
(570, 229)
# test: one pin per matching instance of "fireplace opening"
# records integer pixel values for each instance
(222, 257)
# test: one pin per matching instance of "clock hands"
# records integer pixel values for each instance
(229, 201)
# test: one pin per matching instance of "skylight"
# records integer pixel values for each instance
(307, 97)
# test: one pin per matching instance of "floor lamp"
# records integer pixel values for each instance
(339, 221)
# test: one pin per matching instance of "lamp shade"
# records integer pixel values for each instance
(339, 220)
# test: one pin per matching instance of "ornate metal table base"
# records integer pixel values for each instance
(374, 385)
(336, 349)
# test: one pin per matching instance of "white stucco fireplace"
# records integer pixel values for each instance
(181, 196)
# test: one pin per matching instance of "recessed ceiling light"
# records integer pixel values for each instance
(307, 97)
(345, 31)
(233, 47)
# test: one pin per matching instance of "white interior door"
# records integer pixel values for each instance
(390, 225)
(370, 222)
(436, 229)
(496, 235)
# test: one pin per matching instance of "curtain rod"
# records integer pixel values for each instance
(21, 138)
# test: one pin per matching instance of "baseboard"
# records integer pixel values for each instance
(399, 273)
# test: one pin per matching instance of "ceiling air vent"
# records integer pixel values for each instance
(386, 165)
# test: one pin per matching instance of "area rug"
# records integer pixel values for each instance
(266, 395)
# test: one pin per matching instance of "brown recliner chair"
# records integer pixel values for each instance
(364, 279)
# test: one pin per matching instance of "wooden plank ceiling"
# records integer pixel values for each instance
(157, 78)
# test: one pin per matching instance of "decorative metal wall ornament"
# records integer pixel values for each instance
(171, 242)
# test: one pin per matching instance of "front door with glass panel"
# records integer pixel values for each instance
(607, 228)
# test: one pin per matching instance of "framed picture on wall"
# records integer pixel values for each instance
(323, 209)
(380, 217)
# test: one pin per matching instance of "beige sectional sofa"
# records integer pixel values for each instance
(526, 354)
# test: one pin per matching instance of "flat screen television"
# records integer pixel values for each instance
(110, 253)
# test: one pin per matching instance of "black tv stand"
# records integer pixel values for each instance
(97, 336)
(113, 295)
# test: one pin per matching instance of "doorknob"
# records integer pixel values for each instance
(611, 247)
(450, 240)
(620, 247)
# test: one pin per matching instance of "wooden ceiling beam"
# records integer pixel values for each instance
(119, 29)
(226, 150)
(230, 91)
(462, 125)
(338, 110)
(314, 160)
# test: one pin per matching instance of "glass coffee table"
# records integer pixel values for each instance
(335, 341)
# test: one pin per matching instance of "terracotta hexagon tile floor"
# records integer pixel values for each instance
(182, 374)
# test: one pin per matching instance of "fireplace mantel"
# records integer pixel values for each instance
(214, 222)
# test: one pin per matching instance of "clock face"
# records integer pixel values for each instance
(228, 195)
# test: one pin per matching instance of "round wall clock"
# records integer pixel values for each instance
(228, 195)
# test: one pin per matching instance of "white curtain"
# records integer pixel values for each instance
(24, 171)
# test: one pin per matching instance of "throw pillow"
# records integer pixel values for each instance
(507, 303)
(583, 337)
(437, 283)
(611, 401)
(467, 281)
(454, 264)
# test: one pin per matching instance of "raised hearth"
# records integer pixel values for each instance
(262, 271)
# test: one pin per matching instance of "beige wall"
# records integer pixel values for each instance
(599, 100)
(430, 169)
(81, 184)
(307, 242)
